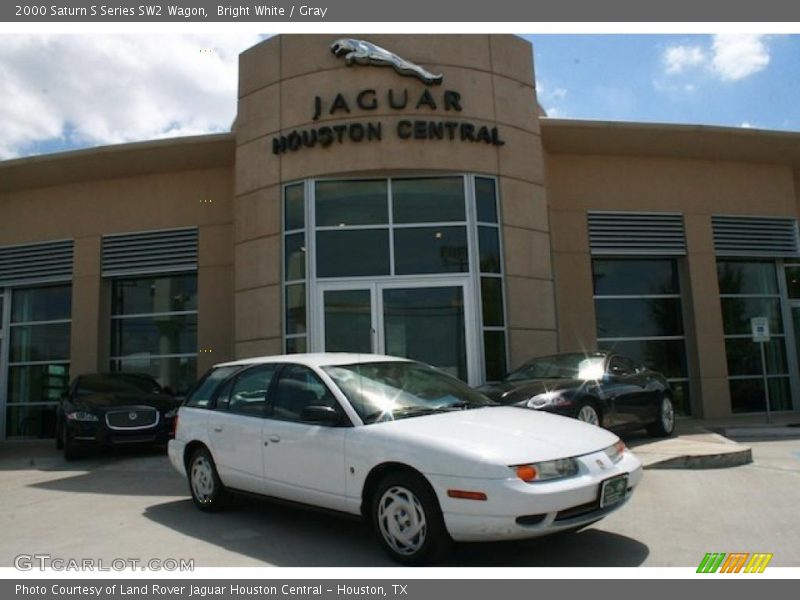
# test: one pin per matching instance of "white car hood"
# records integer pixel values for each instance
(504, 435)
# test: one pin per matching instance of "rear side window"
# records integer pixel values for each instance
(204, 392)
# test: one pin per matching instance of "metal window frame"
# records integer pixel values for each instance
(784, 309)
(472, 276)
(679, 296)
(112, 358)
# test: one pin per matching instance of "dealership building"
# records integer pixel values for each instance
(406, 197)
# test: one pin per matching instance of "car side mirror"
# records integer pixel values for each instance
(321, 415)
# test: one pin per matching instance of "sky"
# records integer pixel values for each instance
(69, 91)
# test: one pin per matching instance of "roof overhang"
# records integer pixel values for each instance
(704, 142)
(121, 160)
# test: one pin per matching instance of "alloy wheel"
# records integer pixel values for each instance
(588, 414)
(667, 415)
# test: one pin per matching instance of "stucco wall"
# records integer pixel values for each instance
(695, 188)
(84, 211)
(279, 79)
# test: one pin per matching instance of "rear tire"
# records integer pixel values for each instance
(407, 519)
(588, 413)
(208, 492)
(664, 425)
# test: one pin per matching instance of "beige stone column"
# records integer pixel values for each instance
(88, 316)
(214, 297)
(714, 400)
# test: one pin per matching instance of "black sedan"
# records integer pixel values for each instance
(111, 409)
(601, 388)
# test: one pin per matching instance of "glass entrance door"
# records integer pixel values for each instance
(423, 322)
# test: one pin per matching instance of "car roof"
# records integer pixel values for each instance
(320, 359)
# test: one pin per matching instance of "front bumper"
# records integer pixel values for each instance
(518, 510)
(92, 433)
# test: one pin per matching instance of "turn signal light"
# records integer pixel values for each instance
(526, 472)
(465, 495)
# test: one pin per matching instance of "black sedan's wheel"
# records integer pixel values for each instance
(206, 488)
(71, 451)
(664, 424)
(588, 413)
(407, 519)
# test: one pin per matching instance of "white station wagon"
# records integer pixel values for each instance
(424, 458)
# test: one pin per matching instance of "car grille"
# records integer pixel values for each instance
(132, 418)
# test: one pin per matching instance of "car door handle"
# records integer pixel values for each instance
(274, 439)
(218, 428)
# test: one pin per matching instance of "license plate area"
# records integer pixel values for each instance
(613, 490)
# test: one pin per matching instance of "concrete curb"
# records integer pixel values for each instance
(722, 460)
(765, 431)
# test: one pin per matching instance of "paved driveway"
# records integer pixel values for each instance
(133, 505)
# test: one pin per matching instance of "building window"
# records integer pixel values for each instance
(750, 289)
(353, 247)
(38, 341)
(639, 314)
(490, 266)
(154, 328)
(294, 268)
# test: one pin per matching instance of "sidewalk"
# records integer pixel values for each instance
(712, 443)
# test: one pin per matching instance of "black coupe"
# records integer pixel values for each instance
(601, 388)
(108, 409)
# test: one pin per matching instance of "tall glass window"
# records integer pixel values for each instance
(154, 328)
(490, 266)
(295, 268)
(639, 314)
(750, 289)
(424, 230)
(38, 358)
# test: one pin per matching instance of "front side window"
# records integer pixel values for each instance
(298, 389)
(154, 328)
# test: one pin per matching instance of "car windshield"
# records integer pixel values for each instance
(561, 366)
(118, 383)
(384, 391)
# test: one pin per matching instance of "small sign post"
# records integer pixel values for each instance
(760, 330)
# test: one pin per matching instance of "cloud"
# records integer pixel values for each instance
(79, 90)
(677, 59)
(746, 125)
(551, 96)
(729, 57)
(737, 56)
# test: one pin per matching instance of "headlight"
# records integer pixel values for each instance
(548, 399)
(81, 415)
(616, 451)
(547, 470)
(171, 413)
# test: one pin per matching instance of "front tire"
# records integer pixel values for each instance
(407, 519)
(71, 450)
(208, 492)
(664, 424)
